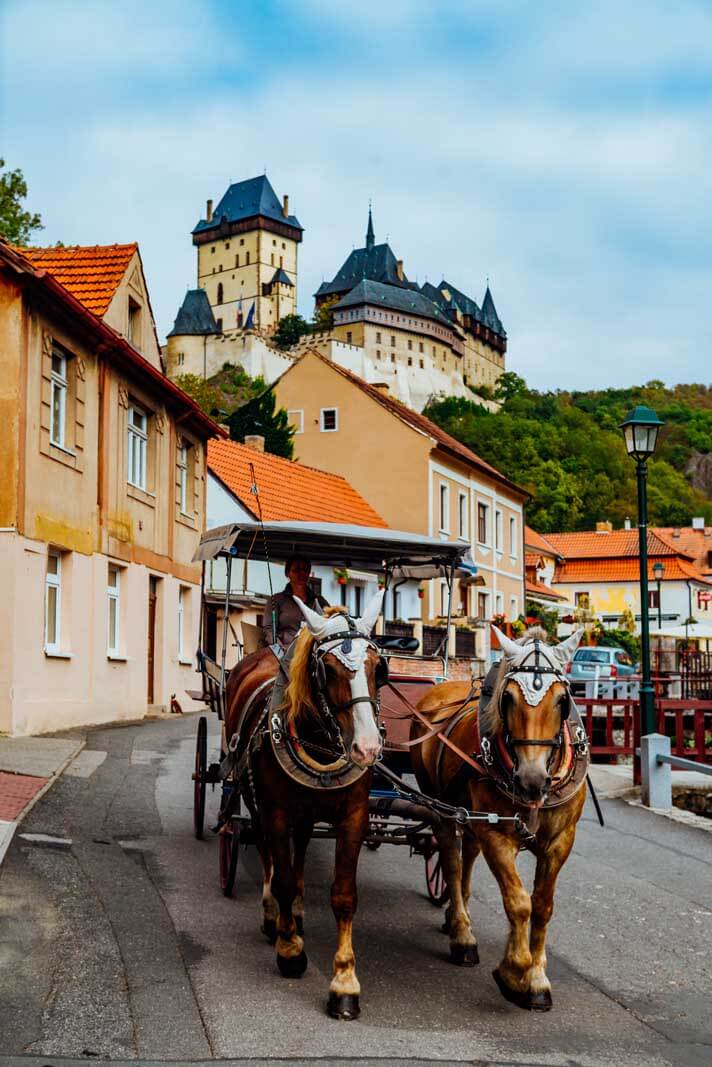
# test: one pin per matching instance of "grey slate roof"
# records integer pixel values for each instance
(397, 298)
(281, 275)
(465, 303)
(375, 263)
(195, 315)
(245, 200)
(489, 314)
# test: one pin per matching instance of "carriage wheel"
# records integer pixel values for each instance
(199, 776)
(435, 879)
(229, 838)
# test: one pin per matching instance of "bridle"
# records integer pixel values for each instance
(537, 669)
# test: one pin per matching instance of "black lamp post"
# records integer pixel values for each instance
(658, 574)
(640, 431)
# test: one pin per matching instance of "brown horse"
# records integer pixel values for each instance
(531, 760)
(309, 761)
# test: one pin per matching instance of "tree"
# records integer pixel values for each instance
(323, 318)
(291, 328)
(258, 416)
(16, 225)
(509, 385)
(204, 393)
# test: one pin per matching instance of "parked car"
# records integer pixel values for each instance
(608, 663)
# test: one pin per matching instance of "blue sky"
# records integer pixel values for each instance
(564, 151)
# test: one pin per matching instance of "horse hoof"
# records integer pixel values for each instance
(269, 929)
(464, 955)
(292, 966)
(522, 1000)
(343, 1006)
(540, 1001)
(299, 923)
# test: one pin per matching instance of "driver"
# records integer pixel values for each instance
(287, 615)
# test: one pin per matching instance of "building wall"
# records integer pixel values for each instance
(613, 598)
(139, 328)
(206, 356)
(481, 364)
(77, 500)
(225, 262)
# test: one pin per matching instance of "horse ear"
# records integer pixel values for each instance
(565, 649)
(373, 609)
(317, 623)
(509, 647)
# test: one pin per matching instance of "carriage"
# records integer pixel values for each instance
(397, 815)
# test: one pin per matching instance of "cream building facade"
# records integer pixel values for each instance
(103, 501)
(416, 476)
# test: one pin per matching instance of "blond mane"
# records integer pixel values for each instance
(490, 718)
(298, 697)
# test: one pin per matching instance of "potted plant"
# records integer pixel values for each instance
(499, 620)
(341, 574)
(421, 592)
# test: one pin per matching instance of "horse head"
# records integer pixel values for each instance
(337, 664)
(530, 703)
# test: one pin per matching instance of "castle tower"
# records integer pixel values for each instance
(247, 257)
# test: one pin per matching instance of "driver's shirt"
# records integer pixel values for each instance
(287, 614)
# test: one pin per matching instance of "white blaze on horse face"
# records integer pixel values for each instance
(370, 615)
(366, 745)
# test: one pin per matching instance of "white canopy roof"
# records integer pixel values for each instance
(697, 630)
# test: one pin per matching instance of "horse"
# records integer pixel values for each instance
(522, 750)
(306, 759)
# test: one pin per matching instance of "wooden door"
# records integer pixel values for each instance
(152, 598)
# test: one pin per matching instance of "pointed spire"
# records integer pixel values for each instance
(370, 237)
(489, 313)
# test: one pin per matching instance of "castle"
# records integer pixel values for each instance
(415, 341)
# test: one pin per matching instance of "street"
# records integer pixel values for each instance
(118, 944)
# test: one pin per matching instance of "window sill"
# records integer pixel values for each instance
(142, 495)
(62, 448)
(117, 657)
(57, 653)
(185, 662)
(186, 520)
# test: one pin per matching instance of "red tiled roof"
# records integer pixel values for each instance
(542, 589)
(532, 539)
(625, 570)
(91, 274)
(618, 544)
(696, 543)
(425, 425)
(288, 490)
(532, 559)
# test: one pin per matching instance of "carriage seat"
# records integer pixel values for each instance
(396, 644)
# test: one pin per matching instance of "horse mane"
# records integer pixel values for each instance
(490, 719)
(298, 696)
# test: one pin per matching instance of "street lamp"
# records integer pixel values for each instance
(658, 574)
(640, 431)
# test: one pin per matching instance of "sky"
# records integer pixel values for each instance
(562, 151)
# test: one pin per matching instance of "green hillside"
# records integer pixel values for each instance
(566, 449)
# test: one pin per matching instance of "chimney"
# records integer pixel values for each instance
(626, 524)
(604, 527)
(698, 522)
(285, 206)
(209, 211)
(399, 269)
(256, 441)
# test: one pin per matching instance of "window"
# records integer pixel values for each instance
(393, 341)
(134, 333)
(58, 399)
(462, 515)
(212, 249)
(422, 364)
(582, 600)
(513, 608)
(242, 241)
(220, 293)
(271, 259)
(247, 258)
(420, 347)
(482, 611)
(183, 471)
(393, 357)
(113, 591)
(237, 260)
(218, 324)
(410, 345)
(53, 600)
(444, 508)
(296, 419)
(498, 533)
(512, 536)
(349, 335)
(378, 337)
(227, 246)
(378, 353)
(653, 598)
(482, 510)
(410, 361)
(499, 604)
(329, 420)
(137, 441)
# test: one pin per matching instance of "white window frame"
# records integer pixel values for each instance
(183, 468)
(513, 537)
(184, 592)
(331, 429)
(59, 387)
(137, 447)
(113, 594)
(498, 604)
(513, 613)
(298, 424)
(444, 504)
(54, 581)
(463, 524)
(498, 530)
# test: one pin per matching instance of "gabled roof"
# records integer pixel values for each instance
(195, 315)
(534, 540)
(420, 423)
(409, 301)
(489, 314)
(697, 543)
(288, 490)
(541, 589)
(626, 569)
(246, 200)
(464, 303)
(374, 263)
(281, 275)
(92, 274)
(616, 544)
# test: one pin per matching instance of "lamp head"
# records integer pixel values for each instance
(658, 571)
(640, 431)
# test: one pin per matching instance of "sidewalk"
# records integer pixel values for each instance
(29, 766)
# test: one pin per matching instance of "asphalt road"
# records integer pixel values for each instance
(120, 945)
